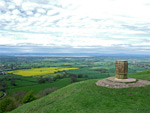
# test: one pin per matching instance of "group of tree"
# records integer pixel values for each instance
(5, 81)
(102, 70)
(11, 102)
(16, 99)
(73, 78)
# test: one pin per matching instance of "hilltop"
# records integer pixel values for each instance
(86, 97)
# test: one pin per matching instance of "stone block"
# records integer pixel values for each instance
(121, 69)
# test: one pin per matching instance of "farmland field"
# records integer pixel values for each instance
(24, 72)
(39, 71)
(39, 87)
(20, 74)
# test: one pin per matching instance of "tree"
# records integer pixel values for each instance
(19, 95)
(58, 76)
(7, 104)
(47, 91)
(28, 97)
(73, 78)
(85, 77)
(4, 86)
(50, 79)
(54, 78)
(64, 75)
(80, 75)
(12, 82)
(41, 80)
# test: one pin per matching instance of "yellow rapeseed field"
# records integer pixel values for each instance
(39, 71)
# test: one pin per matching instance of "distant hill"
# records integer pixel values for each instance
(73, 54)
(86, 97)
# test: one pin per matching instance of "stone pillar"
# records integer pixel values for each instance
(121, 69)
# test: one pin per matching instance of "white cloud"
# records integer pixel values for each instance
(27, 6)
(41, 10)
(29, 13)
(17, 2)
(11, 6)
(15, 12)
(75, 23)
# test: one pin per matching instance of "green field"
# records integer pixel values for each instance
(86, 97)
(39, 87)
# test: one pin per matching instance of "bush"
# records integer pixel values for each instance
(54, 78)
(28, 97)
(64, 75)
(80, 75)
(86, 77)
(73, 78)
(12, 82)
(47, 91)
(41, 80)
(19, 95)
(58, 76)
(7, 104)
(50, 80)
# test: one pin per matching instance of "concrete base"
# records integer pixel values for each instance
(112, 82)
(122, 80)
(125, 80)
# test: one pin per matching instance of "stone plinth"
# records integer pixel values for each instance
(121, 79)
(121, 69)
(113, 82)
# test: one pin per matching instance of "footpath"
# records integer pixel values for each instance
(4, 94)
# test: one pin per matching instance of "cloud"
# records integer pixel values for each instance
(86, 24)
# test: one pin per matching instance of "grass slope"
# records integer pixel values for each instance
(144, 75)
(86, 97)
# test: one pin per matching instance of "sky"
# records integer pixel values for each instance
(75, 26)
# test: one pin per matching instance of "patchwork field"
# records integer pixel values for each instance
(41, 74)
(39, 71)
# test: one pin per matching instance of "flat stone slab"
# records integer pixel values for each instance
(122, 80)
(111, 82)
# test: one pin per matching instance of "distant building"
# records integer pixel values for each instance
(3, 73)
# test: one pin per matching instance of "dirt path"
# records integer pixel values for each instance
(4, 94)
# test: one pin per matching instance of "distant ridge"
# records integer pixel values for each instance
(70, 54)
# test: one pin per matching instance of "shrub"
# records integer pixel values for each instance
(73, 78)
(50, 80)
(54, 78)
(80, 75)
(19, 95)
(86, 77)
(47, 91)
(58, 76)
(64, 75)
(7, 104)
(41, 80)
(12, 82)
(28, 97)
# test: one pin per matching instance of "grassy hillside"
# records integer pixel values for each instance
(144, 75)
(86, 97)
